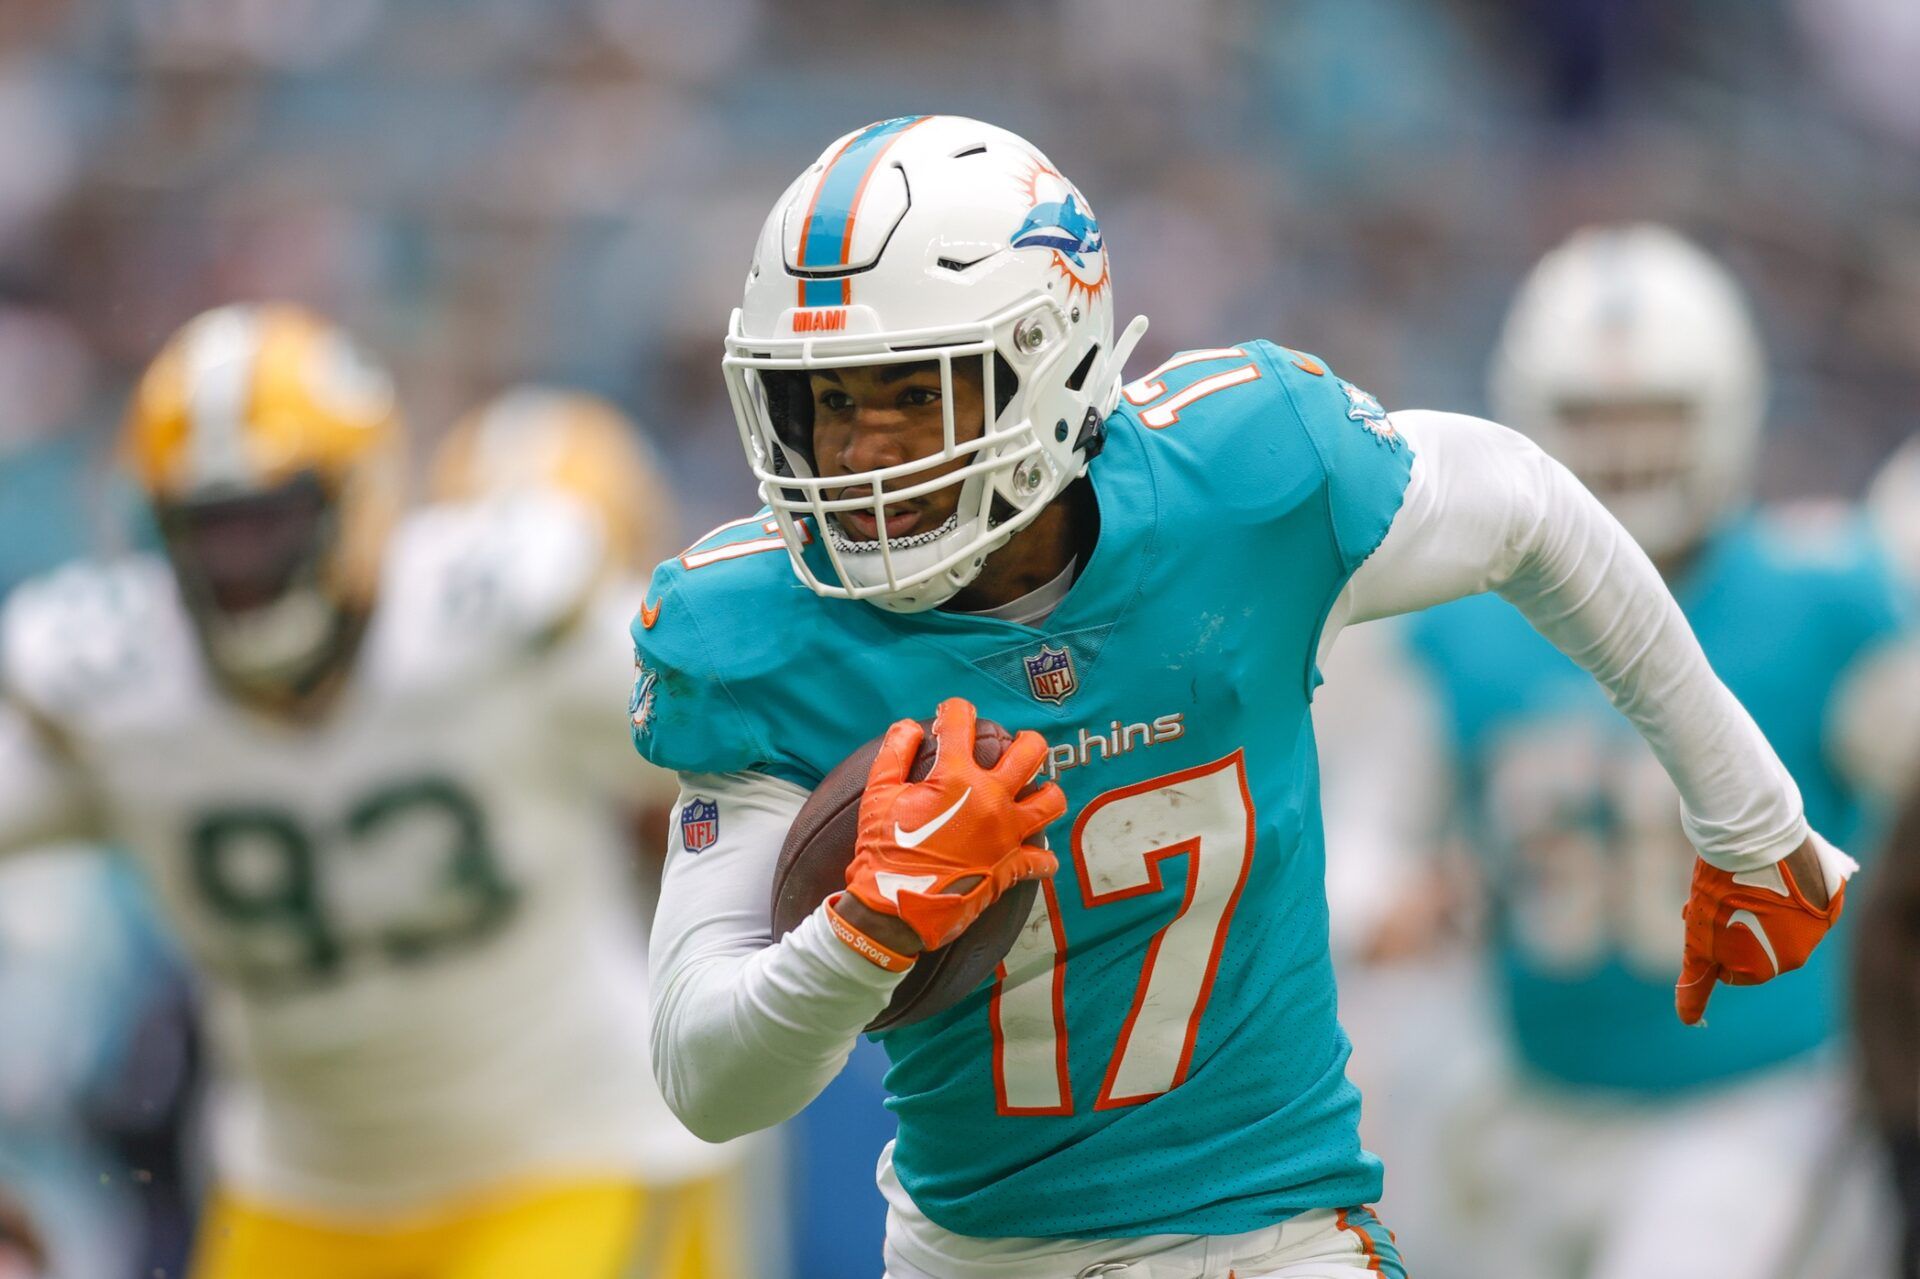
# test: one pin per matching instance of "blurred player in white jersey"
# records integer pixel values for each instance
(1622, 1144)
(373, 768)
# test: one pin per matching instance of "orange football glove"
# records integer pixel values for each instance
(917, 839)
(1748, 928)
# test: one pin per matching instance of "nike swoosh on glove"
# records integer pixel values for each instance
(918, 839)
(1746, 928)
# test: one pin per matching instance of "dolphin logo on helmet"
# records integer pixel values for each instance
(1062, 225)
(888, 250)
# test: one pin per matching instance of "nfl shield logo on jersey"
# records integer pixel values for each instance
(1050, 674)
(699, 824)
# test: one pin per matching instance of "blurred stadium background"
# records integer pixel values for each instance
(489, 191)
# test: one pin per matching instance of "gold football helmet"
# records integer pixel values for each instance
(268, 444)
(532, 438)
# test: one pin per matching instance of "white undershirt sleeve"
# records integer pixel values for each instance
(1486, 509)
(747, 1030)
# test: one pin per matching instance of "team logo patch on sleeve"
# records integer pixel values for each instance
(1050, 675)
(699, 825)
(640, 701)
(1366, 410)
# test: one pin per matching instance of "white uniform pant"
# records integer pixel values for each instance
(1731, 1182)
(1316, 1245)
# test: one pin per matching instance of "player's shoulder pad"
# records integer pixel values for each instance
(1365, 462)
(98, 639)
(1330, 407)
(724, 616)
(1259, 429)
(489, 579)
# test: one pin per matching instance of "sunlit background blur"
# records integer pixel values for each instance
(489, 191)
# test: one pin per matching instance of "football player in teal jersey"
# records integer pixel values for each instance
(1629, 354)
(966, 508)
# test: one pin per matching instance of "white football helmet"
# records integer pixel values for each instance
(927, 238)
(1894, 502)
(1630, 355)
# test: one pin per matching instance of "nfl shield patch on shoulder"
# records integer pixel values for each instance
(699, 825)
(1050, 674)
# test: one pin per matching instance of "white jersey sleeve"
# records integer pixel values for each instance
(523, 579)
(512, 569)
(747, 1030)
(87, 644)
(1486, 509)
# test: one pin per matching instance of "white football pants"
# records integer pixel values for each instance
(1729, 1183)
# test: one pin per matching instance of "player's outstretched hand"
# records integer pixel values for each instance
(1747, 928)
(936, 853)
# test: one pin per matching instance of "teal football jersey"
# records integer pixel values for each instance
(1580, 828)
(1160, 1051)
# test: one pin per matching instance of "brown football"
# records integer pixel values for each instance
(813, 867)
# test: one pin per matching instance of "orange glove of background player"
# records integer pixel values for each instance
(1747, 928)
(918, 839)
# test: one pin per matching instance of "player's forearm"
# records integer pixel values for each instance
(1490, 511)
(747, 1030)
(743, 1042)
(1585, 585)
